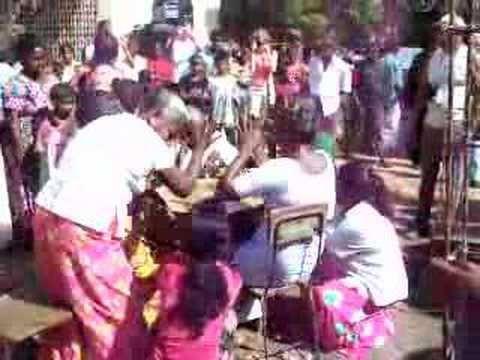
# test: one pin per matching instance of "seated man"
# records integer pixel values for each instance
(300, 177)
(220, 153)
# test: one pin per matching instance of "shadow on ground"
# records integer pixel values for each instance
(429, 354)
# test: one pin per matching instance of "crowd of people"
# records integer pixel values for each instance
(80, 139)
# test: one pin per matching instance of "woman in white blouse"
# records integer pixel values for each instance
(81, 215)
(299, 177)
(362, 273)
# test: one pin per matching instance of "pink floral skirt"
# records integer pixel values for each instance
(348, 322)
(88, 273)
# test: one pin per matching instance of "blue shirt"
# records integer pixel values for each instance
(6, 74)
(392, 80)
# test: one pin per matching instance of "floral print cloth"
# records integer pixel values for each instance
(348, 322)
(87, 272)
(26, 99)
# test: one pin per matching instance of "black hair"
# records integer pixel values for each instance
(62, 93)
(358, 182)
(130, 93)
(204, 298)
(197, 59)
(145, 77)
(205, 294)
(106, 48)
(240, 55)
(26, 46)
(65, 47)
(221, 55)
(300, 129)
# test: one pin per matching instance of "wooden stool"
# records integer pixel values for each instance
(20, 321)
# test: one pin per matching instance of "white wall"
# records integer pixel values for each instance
(125, 14)
(205, 17)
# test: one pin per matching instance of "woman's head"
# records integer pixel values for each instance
(166, 113)
(133, 43)
(260, 38)
(130, 93)
(326, 48)
(357, 182)
(197, 65)
(31, 54)
(62, 98)
(106, 48)
(67, 53)
(222, 62)
(300, 128)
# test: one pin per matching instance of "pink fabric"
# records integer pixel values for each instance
(103, 77)
(25, 96)
(173, 341)
(287, 89)
(262, 69)
(297, 74)
(348, 322)
(162, 71)
(52, 137)
(88, 273)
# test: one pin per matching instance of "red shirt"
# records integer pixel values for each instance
(262, 69)
(162, 71)
(173, 341)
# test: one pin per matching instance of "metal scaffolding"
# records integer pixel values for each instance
(458, 243)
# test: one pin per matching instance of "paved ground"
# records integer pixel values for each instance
(419, 331)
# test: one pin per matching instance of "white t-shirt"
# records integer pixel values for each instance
(438, 78)
(330, 82)
(367, 249)
(219, 148)
(132, 73)
(101, 168)
(224, 93)
(182, 52)
(283, 182)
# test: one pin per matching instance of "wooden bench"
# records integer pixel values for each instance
(21, 320)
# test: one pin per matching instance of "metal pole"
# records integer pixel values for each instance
(448, 315)
(466, 144)
(449, 214)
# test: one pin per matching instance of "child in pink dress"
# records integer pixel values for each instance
(197, 290)
(55, 130)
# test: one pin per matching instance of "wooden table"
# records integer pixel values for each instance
(235, 219)
(21, 320)
(204, 189)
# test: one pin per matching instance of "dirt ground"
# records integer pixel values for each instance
(419, 330)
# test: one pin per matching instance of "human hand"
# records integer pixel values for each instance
(250, 135)
(201, 131)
